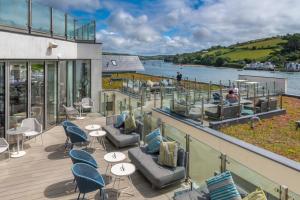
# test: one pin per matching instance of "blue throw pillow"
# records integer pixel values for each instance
(154, 145)
(152, 135)
(222, 187)
(120, 120)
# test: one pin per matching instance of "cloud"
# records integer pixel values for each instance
(85, 5)
(145, 28)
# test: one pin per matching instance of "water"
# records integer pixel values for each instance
(215, 74)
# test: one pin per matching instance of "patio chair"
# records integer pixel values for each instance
(88, 179)
(71, 112)
(87, 103)
(76, 135)
(66, 124)
(4, 146)
(34, 128)
(80, 156)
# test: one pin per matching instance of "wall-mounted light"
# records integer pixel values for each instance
(53, 45)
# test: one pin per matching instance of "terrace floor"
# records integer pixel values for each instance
(45, 171)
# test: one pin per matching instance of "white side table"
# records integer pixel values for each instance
(112, 158)
(92, 127)
(97, 135)
(123, 170)
(19, 133)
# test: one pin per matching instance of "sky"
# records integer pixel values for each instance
(153, 27)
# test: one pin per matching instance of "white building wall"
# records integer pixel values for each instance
(22, 46)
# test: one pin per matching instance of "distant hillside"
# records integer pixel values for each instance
(279, 49)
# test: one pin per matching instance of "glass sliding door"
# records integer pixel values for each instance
(51, 93)
(17, 93)
(2, 99)
(70, 67)
(62, 90)
(82, 79)
(37, 91)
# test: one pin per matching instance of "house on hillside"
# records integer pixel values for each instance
(121, 64)
(267, 66)
(292, 67)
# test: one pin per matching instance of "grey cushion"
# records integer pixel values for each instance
(202, 194)
(119, 139)
(158, 175)
(181, 158)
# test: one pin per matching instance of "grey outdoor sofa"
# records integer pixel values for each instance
(159, 176)
(120, 139)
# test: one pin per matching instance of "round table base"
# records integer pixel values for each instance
(79, 118)
(18, 154)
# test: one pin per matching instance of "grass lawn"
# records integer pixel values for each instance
(270, 43)
(277, 134)
(242, 54)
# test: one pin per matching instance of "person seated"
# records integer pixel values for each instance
(231, 97)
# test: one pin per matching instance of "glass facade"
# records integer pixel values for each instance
(70, 73)
(37, 91)
(2, 99)
(41, 18)
(62, 89)
(58, 23)
(82, 79)
(14, 13)
(51, 93)
(18, 93)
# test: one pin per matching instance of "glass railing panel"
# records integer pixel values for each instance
(293, 196)
(204, 161)
(85, 30)
(250, 180)
(70, 27)
(91, 31)
(58, 23)
(41, 18)
(174, 134)
(14, 13)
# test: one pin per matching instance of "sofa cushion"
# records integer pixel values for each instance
(222, 187)
(181, 158)
(154, 145)
(130, 124)
(158, 175)
(121, 140)
(256, 195)
(120, 120)
(152, 135)
(168, 154)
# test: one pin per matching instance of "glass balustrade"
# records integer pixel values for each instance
(16, 14)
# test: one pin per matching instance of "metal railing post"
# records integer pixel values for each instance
(186, 104)
(114, 103)
(163, 129)
(161, 98)
(29, 16)
(155, 99)
(281, 102)
(129, 105)
(222, 101)
(187, 145)
(223, 158)
(51, 21)
(284, 192)
(202, 111)
(254, 98)
(209, 91)
(105, 104)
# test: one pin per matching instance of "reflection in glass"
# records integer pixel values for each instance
(82, 79)
(17, 93)
(41, 18)
(51, 93)
(37, 91)
(62, 89)
(2, 99)
(58, 23)
(14, 13)
(70, 27)
(70, 83)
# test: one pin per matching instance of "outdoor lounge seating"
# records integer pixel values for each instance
(71, 112)
(118, 138)
(76, 135)
(34, 128)
(80, 156)
(65, 125)
(4, 146)
(229, 112)
(87, 104)
(87, 179)
(159, 176)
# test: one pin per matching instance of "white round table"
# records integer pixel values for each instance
(123, 170)
(92, 127)
(112, 158)
(19, 133)
(97, 135)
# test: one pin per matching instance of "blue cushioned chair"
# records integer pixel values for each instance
(66, 124)
(80, 156)
(76, 135)
(88, 179)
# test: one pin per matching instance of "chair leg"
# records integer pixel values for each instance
(76, 187)
(78, 196)
(42, 139)
(83, 195)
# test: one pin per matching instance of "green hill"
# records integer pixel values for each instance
(279, 49)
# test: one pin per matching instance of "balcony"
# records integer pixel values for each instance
(27, 16)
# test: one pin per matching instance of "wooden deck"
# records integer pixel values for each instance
(45, 172)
